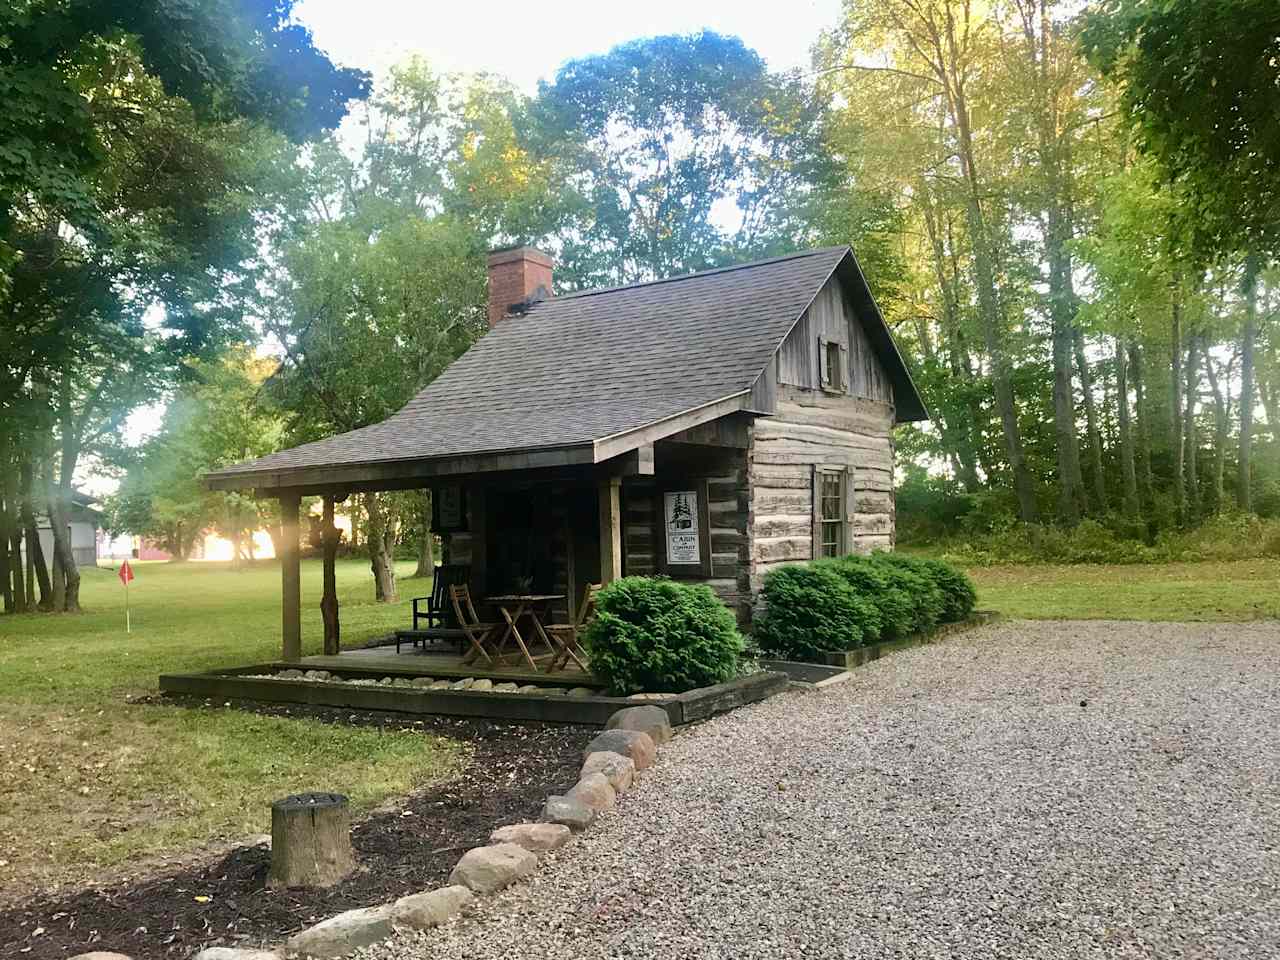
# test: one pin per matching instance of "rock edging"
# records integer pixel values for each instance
(610, 765)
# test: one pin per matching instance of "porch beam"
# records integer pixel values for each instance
(609, 447)
(398, 474)
(329, 597)
(290, 580)
(610, 529)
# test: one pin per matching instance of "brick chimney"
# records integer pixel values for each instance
(517, 275)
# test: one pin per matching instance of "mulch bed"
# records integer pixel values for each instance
(409, 849)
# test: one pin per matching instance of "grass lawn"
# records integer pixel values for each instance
(89, 781)
(1235, 590)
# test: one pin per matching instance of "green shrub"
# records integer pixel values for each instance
(894, 605)
(654, 635)
(959, 596)
(810, 610)
(1267, 500)
(912, 576)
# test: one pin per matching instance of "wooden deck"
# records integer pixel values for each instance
(443, 665)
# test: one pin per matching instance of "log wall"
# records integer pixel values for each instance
(819, 429)
(728, 498)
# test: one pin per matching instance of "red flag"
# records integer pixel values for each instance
(125, 573)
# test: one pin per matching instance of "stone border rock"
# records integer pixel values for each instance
(609, 768)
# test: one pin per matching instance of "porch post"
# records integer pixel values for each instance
(610, 529)
(479, 540)
(290, 580)
(329, 597)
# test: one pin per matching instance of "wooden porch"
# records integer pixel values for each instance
(443, 665)
(550, 530)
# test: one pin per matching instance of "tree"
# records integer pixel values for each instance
(931, 56)
(218, 418)
(380, 285)
(131, 171)
(659, 139)
(1199, 80)
(226, 58)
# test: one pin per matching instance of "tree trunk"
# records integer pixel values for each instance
(989, 308)
(1221, 428)
(60, 502)
(7, 560)
(35, 550)
(1070, 490)
(31, 574)
(310, 841)
(1189, 430)
(1091, 421)
(380, 559)
(1244, 482)
(15, 554)
(1127, 470)
(1146, 482)
(962, 429)
(329, 595)
(1177, 438)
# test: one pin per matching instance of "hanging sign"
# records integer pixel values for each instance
(680, 508)
(450, 507)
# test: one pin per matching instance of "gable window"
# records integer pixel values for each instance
(830, 512)
(831, 365)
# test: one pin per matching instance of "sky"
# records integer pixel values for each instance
(527, 40)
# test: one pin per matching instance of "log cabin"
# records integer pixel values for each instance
(707, 427)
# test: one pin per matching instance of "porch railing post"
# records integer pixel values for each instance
(329, 594)
(290, 580)
(610, 529)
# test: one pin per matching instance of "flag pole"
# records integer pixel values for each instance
(128, 625)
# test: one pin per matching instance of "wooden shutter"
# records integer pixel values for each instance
(842, 382)
(850, 509)
(824, 370)
(815, 484)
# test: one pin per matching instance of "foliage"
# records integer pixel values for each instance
(895, 608)
(1226, 536)
(216, 420)
(227, 59)
(851, 601)
(1199, 81)
(810, 610)
(918, 581)
(959, 596)
(656, 635)
(658, 138)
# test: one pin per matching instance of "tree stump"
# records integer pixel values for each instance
(310, 841)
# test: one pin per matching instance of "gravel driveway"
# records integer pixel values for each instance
(1027, 790)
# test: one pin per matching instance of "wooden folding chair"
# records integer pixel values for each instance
(469, 621)
(568, 636)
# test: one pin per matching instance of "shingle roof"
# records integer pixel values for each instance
(575, 369)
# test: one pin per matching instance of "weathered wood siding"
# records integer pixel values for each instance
(728, 497)
(813, 428)
(832, 318)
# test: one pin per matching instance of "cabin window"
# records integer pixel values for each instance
(831, 365)
(830, 512)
